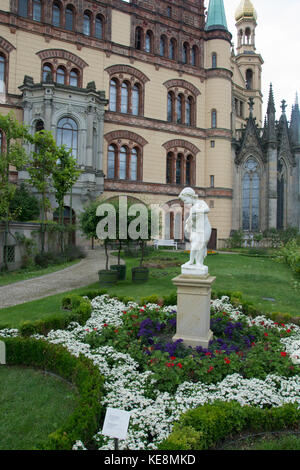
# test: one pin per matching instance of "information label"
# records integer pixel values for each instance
(116, 423)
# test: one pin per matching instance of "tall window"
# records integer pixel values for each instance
(2, 74)
(47, 72)
(74, 78)
(185, 53)
(194, 56)
(56, 20)
(214, 119)
(162, 46)
(134, 165)
(188, 170)
(113, 93)
(188, 111)
(179, 108)
(172, 49)
(249, 79)
(214, 60)
(138, 38)
(148, 41)
(69, 18)
(23, 8)
(111, 162)
(37, 10)
(61, 76)
(170, 168)
(170, 116)
(136, 100)
(281, 194)
(251, 195)
(179, 166)
(124, 97)
(122, 163)
(87, 23)
(67, 134)
(99, 27)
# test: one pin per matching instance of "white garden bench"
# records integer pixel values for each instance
(158, 243)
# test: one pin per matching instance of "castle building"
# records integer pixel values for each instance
(151, 97)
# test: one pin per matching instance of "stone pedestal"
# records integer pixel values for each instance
(193, 309)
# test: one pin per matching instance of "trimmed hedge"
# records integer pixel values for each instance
(204, 427)
(79, 310)
(83, 423)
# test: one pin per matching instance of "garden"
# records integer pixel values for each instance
(248, 378)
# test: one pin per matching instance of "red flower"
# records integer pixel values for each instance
(179, 365)
(211, 368)
(252, 344)
(105, 324)
(282, 324)
(124, 312)
(283, 354)
(207, 354)
(227, 360)
(288, 331)
(116, 331)
(172, 358)
(266, 334)
(170, 364)
(95, 329)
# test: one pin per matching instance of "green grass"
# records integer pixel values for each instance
(286, 441)
(256, 278)
(30, 273)
(32, 405)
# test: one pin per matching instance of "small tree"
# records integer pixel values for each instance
(13, 154)
(64, 175)
(42, 165)
(25, 204)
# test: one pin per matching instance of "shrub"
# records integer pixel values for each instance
(81, 372)
(151, 299)
(203, 427)
(80, 310)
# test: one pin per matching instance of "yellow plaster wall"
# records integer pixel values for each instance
(5, 5)
(121, 28)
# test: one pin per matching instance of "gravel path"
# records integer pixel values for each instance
(81, 274)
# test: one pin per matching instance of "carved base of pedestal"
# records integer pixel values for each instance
(193, 310)
(194, 270)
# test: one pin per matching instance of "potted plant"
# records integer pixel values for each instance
(120, 268)
(141, 273)
(107, 276)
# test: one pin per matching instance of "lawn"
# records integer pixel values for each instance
(30, 273)
(257, 278)
(32, 405)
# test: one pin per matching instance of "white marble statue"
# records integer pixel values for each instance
(197, 224)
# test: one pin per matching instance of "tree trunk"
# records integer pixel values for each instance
(106, 254)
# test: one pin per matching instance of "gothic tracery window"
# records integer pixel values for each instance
(251, 195)
(281, 194)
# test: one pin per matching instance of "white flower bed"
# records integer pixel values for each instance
(152, 418)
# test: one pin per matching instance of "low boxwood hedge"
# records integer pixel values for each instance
(77, 308)
(204, 427)
(83, 423)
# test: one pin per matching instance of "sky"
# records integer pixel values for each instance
(278, 42)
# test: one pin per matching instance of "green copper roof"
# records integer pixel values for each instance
(216, 17)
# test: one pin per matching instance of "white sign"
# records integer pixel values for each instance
(2, 353)
(116, 423)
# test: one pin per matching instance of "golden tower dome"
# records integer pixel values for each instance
(245, 10)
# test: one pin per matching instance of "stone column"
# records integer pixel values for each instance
(193, 310)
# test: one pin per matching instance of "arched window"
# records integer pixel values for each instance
(23, 8)
(136, 100)
(124, 97)
(172, 49)
(248, 35)
(249, 79)
(251, 195)
(39, 126)
(194, 56)
(185, 53)
(47, 73)
(214, 60)
(162, 46)
(188, 170)
(281, 194)
(37, 10)
(87, 22)
(2, 74)
(134, 165)
(56, 14)
(61, 76)
(99, 27)
(169, 12)
(189, 108)
(180, 108)
(139, 38)
(171, 101)
(179, 166)
(69, 18)
(74, 78)
(149, 41)
(169, 178)
(113, 95)
(67, 134)
(111, 162)
(123, 163)
(214, 119)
